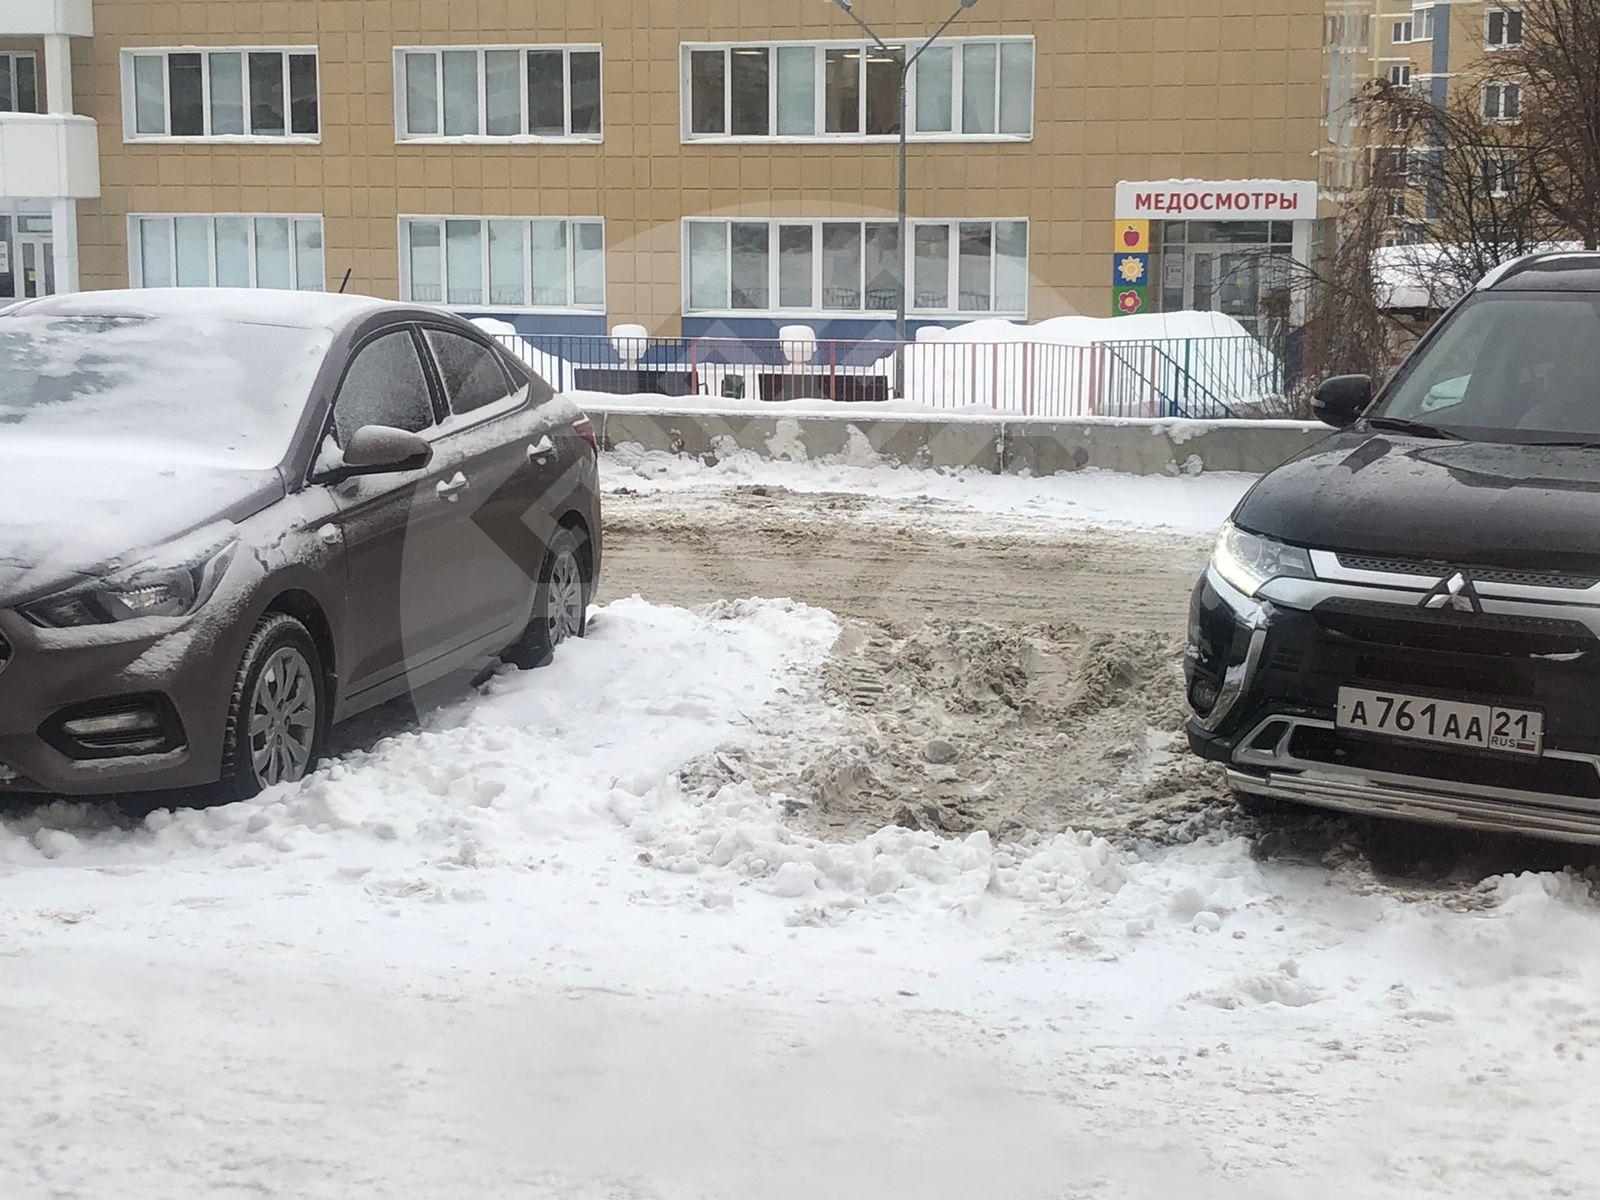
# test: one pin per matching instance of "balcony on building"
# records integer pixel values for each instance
(49, 154)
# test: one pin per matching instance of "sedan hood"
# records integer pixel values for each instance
(67, 513)
(1472, 503)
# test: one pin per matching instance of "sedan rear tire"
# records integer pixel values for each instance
(277, 713)
(560, 602)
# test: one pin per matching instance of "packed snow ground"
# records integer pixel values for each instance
(521, 952)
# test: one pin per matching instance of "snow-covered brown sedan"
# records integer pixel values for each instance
(230, 519)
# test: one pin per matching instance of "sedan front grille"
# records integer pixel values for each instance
(1440, 570)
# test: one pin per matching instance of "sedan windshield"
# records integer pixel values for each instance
(1506, 367)
(194, 388)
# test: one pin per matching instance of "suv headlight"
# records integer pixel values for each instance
(1249, 562)
(149, 592)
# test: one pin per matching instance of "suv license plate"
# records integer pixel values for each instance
(1424, 719)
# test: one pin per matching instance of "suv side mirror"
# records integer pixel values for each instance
(380, 450)
(1342, 399)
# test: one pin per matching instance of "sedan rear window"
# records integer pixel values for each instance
(192, 388)
(473, 377)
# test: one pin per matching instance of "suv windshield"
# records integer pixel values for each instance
(190, 388)
(1508, 367)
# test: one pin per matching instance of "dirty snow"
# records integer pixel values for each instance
(1189, 501)
(563, 941)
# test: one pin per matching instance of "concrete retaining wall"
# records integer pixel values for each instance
(999, 445)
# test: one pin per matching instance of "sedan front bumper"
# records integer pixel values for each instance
(171, 668)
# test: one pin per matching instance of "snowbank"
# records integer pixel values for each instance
(554, 945)
(1197, 503)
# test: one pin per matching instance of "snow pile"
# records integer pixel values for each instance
(557, 934)
(1186, 501)
(533, 756)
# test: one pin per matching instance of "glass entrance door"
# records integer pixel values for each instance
(1237, 268)
(38, 266)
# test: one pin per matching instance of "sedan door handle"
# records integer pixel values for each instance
(451, 489)
(541, 450)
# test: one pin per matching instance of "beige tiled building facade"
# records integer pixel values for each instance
(685, 165)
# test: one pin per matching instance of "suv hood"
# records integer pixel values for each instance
(1469, 503)
(67, 512)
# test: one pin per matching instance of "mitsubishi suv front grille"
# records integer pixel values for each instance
(1438, 570)
(1481, 635)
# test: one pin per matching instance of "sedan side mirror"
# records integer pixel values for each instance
(380, 450)
(1342, 399)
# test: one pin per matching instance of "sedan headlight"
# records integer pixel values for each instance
(151, 592)
(1249, 562)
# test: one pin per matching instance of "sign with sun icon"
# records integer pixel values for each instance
(1131, 270)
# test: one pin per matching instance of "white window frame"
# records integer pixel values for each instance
(1404, 30)
(136, 256)
(130, 116)
(1401, 74)
(1423, 17)
(406, 220)
(818, 313)
(821, 47)
(38, 90)
(1505, 26)
(401, 117)
(1499, 116)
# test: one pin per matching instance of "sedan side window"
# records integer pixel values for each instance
(384, 386)
(472, 374)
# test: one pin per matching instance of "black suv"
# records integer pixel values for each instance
(1404, 621)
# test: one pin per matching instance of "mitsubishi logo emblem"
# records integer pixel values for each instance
(1454, 592)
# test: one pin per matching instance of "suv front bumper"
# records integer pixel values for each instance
(1264, 676)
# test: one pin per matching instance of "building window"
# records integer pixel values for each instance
(554, 263)
(1504, 29)
(833, 268)
(1397, 206)
(240, 250)
(1500, 178)
(1502, 102)
(1400, 75)
(1403, 31)
(247, 93)
(966, 88)
(19, 83)
(532, 93)
(1422, 25)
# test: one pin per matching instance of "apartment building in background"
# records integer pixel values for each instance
(1446, 50)
(693, 167)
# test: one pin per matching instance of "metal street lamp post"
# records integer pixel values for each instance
(906, 61)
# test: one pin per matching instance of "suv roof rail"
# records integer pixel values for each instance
(1518, 265)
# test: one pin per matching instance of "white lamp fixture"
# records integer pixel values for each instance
(630, 342)
(799, 343)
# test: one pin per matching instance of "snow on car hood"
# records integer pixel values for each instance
(67, 513)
